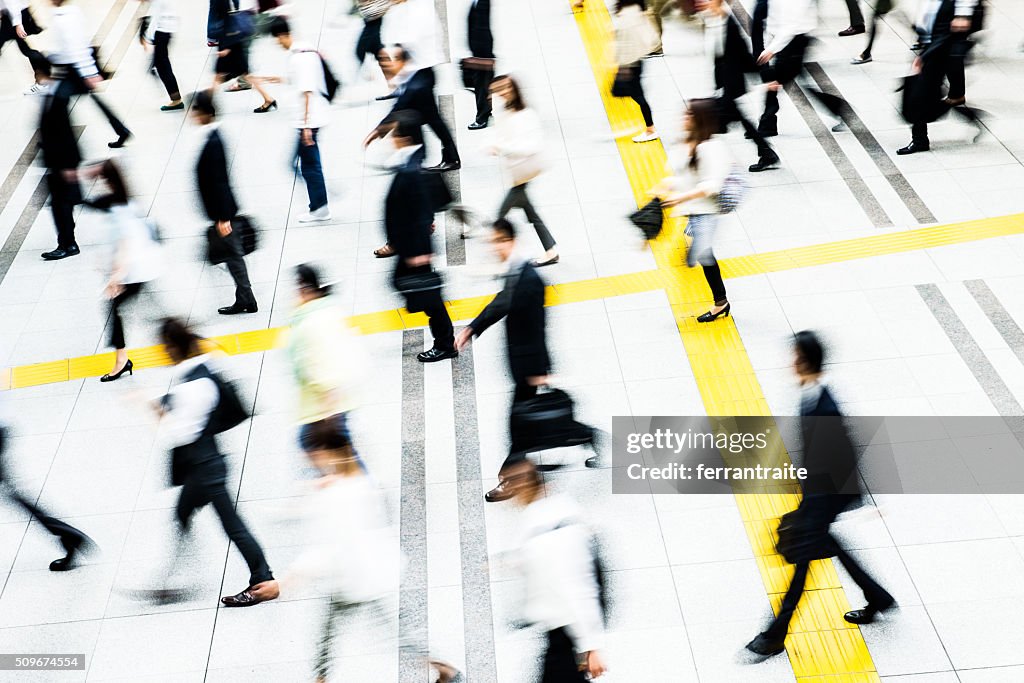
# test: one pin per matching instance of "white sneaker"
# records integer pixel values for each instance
(646, 137)
(36, 89)
(321, 214)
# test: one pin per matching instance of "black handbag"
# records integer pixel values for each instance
(416, 286)
(471, 66)
(547, 421)
(622, 86)
(217, 250)
(650, 219)
(238, 26)
(803, 536)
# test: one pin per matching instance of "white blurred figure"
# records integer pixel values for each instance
(562, 593)
(415, 26)
(352, 557)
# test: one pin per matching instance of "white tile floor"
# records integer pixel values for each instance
(689, 591)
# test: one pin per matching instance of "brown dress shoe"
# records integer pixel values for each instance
(503, 491)
(253, 595)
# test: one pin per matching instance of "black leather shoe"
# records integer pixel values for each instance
(119, 142)
(765, 131)
(72, 545)
(766, 162)
(249, 597)
(913, 148)
(765, 646)
(852, 31)
(867, 615)
(235, 309)
(477, 125)
(444, 167)
(435, 354)
(61, 252)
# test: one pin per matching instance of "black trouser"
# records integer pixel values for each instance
(523, 391)
(69, 536)
(856, 16)
(369, 42)
(873, 593)
(882, 7)
(788, 65)
(200, 490)
(432, 117)
(482, 90)
(7, 33)
(63, 197)
(946, 61)
(757, 23)
(636, 87)
(560, 660)
(517, 197)
(130, 291)
(236, 266)
(162, 63)
(730, 112)
(432, 304)
(713, 274)
(74, 84)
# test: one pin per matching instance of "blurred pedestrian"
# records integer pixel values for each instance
(352, 557)
(562, 592)
(519, 145)
(408, 215)
(830, 487)
(327, 361)
(700, 164)
(199, 406)
(163, 23)
(61, 157)
(306, 74)
(481, 48)
(233, 56)
(134, 257)
(635, 38)
(881, 8)
(414, 90)
(75, 62)
(219, 203)
(17, 24)
(856, 26)
(657, 9)
(369, 43)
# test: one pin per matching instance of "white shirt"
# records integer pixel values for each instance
(788, 19)
(13, 9)
(520, 144)
(163, 17)
(191, 404)
(306, 74)
(68, 25)
(557, 567)
(714, 163)
(414, 25)
(132, 248)
(714, 33)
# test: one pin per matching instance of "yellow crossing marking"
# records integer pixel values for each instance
(820, 642)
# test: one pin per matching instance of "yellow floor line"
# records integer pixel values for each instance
(820, 643)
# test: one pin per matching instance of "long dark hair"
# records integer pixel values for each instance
(308, 278)
(622, 4)
(115, 181)
(179, 339)
(704, 112)
(515, 102)
(809, 350)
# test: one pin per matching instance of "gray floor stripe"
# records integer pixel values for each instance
(455, 248)
(896, 179)
(996, 390)
(997, 314)
(18, 171)
(861, 192)
(130, 35)
(441, 7)
(108, 22)
(413, 508)
(476, 581)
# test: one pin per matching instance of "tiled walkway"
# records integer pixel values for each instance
(912, 332)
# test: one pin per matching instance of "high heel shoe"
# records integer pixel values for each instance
(127, 367)
(709, 316)
(265, 107)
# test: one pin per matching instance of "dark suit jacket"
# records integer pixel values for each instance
(521, 303)
(418, 95)
(213, 181)
(829, 455)
(731, 68)
(407, 211)
(481, 40)
(56, 138)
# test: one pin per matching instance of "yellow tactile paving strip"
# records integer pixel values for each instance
(821, 645)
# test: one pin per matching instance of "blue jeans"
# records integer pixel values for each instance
(312, 172)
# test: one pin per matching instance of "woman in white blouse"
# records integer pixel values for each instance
(700, 166)
(635, 38)
(163, 22)
(519, 144)
(134, 258)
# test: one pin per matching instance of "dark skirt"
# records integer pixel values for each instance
(234, 64)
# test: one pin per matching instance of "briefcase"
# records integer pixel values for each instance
(803, 536)
(547, 421)
(217, 249)
(471, 66)
(417, 287)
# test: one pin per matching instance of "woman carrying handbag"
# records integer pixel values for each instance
(519, 145)
(635, 38)
(701, 165)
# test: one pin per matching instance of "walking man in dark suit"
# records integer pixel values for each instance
(414, 90)
(481, 46)
(219, 202)
(408, 215)
(61, 158)
(831, 486)
(521, 303)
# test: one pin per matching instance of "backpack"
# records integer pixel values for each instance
(734, 189)
(331, 82)
(229, 411)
